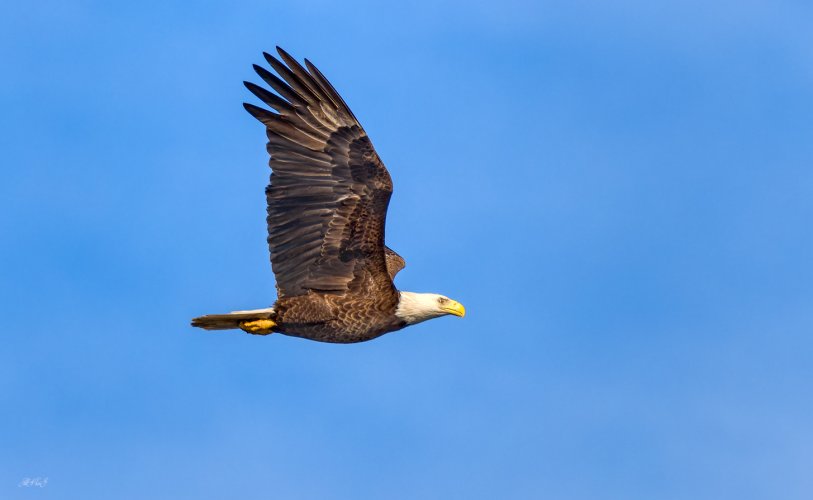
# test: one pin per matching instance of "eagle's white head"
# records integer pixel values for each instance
(416, 307)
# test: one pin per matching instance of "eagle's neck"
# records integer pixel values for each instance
(416, 307)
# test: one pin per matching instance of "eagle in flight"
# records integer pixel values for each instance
(327, 208)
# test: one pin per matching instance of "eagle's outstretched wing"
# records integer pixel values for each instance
(329, 191)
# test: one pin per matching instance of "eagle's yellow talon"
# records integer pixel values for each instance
(258, 327)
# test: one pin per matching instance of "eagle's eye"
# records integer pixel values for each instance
(442, 300)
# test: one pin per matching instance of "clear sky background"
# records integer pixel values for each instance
(621, 194)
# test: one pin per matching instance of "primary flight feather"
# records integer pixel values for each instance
(327, 209)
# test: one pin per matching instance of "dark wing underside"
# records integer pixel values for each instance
(329, 191)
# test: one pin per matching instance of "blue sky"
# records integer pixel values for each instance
(620, 193)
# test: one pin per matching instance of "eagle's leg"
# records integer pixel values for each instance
(258, 327)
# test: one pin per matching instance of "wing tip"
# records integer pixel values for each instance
(257, 112)
(273, 61)
(282, 52)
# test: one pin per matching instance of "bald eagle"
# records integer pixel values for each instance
(327, 207)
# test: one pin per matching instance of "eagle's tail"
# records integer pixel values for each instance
(233, 320)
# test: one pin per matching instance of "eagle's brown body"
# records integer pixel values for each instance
(325, 317)
(333, 318)
(327, 207)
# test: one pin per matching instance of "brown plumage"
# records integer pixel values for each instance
(327, 207)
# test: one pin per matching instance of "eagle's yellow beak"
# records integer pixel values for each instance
(453, 307)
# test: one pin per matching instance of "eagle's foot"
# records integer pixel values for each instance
(258, 327)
